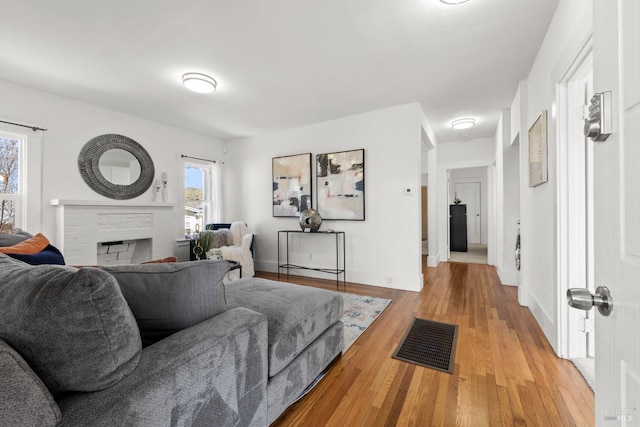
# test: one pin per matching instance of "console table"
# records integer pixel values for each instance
(338, 270)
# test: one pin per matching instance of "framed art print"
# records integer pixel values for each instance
(291, 184)
(340, 185)
(538, 151)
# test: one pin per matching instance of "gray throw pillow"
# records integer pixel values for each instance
(222, 238)
(73, 327)
(168, 297)
(13, 239)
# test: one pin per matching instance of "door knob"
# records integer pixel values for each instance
(582, 299)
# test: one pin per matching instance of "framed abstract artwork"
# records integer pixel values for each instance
(538, 151)
(340, 185)
(291, 184)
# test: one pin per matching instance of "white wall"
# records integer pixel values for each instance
(499, 200)
(70, 125)
(433, 208)
(429, 162)
(508, 200)
(519, 142)
(569, 28)
(424, 169)
(465, 154)
(383, 250)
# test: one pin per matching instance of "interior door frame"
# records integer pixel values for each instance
(571, 271)
(480, 207)
(442, 188)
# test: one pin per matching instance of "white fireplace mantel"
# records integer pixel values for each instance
(83, 224)
(127, 203)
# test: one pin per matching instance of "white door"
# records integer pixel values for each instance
(576, 220)
(617, 212)
(469, 194)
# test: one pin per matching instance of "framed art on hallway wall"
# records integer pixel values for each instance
(340, 185)
(538, 151)
(292, 192)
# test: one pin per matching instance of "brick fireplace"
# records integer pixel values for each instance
(87, 228)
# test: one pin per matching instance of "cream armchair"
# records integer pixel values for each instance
(241, 250)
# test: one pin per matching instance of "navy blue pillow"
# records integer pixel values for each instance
(49, 255)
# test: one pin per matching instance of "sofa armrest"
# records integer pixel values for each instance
(24, 399)
(214, 372)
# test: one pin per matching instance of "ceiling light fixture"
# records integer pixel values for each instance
(465, 123)
(199, 82)
(454, 2)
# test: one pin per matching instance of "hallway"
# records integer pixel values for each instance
(476, 254)
(506, 373)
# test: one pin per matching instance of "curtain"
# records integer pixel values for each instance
(216, 192)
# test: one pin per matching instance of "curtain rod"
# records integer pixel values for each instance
(198, 158)
(33, 128)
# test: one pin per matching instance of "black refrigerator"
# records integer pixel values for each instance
(458, 227)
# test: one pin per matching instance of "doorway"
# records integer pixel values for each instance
(425, 219)
(470, 194)
(468, 186)
(575, 215)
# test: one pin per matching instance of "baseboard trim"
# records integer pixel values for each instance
(546, 322)
(433, 260)
(507, 277)
(405, 282)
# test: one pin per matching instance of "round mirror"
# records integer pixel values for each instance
(116, 166)
(119, 167)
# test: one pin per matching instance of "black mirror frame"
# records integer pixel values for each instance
(89, 160)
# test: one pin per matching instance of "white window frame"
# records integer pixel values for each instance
(209, 208)
(20, 197)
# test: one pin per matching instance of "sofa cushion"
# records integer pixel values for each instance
(11, 239)
(73, 327)
(296, 314)
(168, 297)
(24, 399)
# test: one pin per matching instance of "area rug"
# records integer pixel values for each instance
(359, 313)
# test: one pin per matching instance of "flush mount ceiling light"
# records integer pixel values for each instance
(199, 82)
(454, 2)
(465, 123)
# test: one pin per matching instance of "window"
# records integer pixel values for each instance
(201, 196)
(11, 181)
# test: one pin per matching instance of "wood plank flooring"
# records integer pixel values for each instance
(506, 372)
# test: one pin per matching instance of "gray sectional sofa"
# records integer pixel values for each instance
(157, 345)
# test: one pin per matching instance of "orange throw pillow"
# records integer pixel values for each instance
(159, 261)
(32, 245)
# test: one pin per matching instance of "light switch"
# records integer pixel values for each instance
(408, 191)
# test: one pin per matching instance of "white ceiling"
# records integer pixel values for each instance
(279, 63)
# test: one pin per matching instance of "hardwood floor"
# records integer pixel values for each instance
(506, 372)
